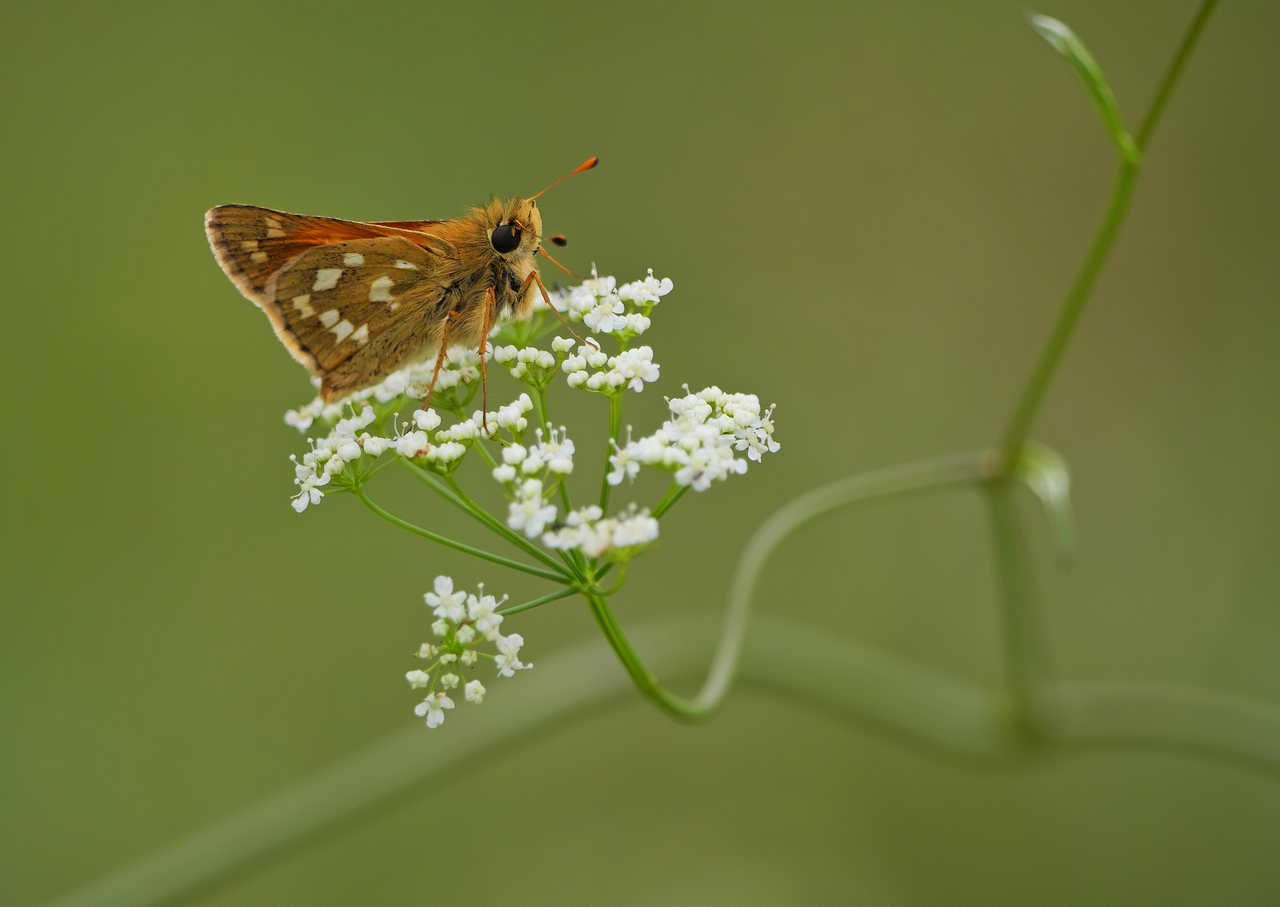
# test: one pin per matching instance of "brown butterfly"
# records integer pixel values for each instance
(356, 301)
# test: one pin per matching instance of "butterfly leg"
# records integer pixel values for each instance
(490, 304)
(440, 357)
(534, 278)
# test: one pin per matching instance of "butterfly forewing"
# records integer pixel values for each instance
(351, 301)
(337, 298)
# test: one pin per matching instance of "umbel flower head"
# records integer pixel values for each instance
(464, 622)
(708, 435)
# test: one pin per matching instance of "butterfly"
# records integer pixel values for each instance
(354, 302)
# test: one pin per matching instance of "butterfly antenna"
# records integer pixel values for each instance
(547, 256)
(586, 165)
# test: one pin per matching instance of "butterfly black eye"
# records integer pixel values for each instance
(505, 238)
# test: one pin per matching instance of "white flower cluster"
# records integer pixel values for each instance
(461, 367)
(531, 474)
(330, 455)
(463, 622)
(698, 441)
(630, 368)
(528, 364)
(616, 538)
(606, 308)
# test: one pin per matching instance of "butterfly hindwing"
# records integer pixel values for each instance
(337, 299)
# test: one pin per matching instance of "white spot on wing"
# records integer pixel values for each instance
(303, 305)
(274, 234)
(406, 265)
(393, 306)
(342, 331)
(259, 257)
(329, 318)
(361, 336)
(326, 279)
(353, 259)
(249, 245)
(272, 223)
(380, 290)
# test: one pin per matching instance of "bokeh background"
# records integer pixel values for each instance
(870, 212)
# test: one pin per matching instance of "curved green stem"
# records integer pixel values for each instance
(558, 577)
(927, 475)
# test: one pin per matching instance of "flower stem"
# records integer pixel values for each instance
(557, 577)
(615, 426)
(540, 407)
(553, 596)
(674, 493)
(477, 513)
(924, 476)
(493, 523)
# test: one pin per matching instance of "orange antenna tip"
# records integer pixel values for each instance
(560, 241)
(586, 165)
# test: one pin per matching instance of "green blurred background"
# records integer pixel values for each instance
(870, 212)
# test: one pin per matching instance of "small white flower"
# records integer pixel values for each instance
(432, 707)
(505, 474)
(466, 633)
(647, 291)
(349, 450)
(559, 344)
(428, 651)
(514, 455)
(445, 602)
(635, 529)
(484, 612)
(427, 420)
(508, 661)
(469, 657)
(529, 512)
(475, 692)
(418, 679)
(440, 627)
(449, 681)
(413, 444)
(448, 658)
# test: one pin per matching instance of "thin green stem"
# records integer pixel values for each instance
(551, 597)
(674, 493)
(1051, 356)
(1152, 119)
(1027, 663)
(496, 525)
(544, 418)
(480, 515)
(615, 426)
(557, 577)
(430, 481)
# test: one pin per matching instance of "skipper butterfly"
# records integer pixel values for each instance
(356, 301)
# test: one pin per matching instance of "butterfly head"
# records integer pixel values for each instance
(514, 227)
